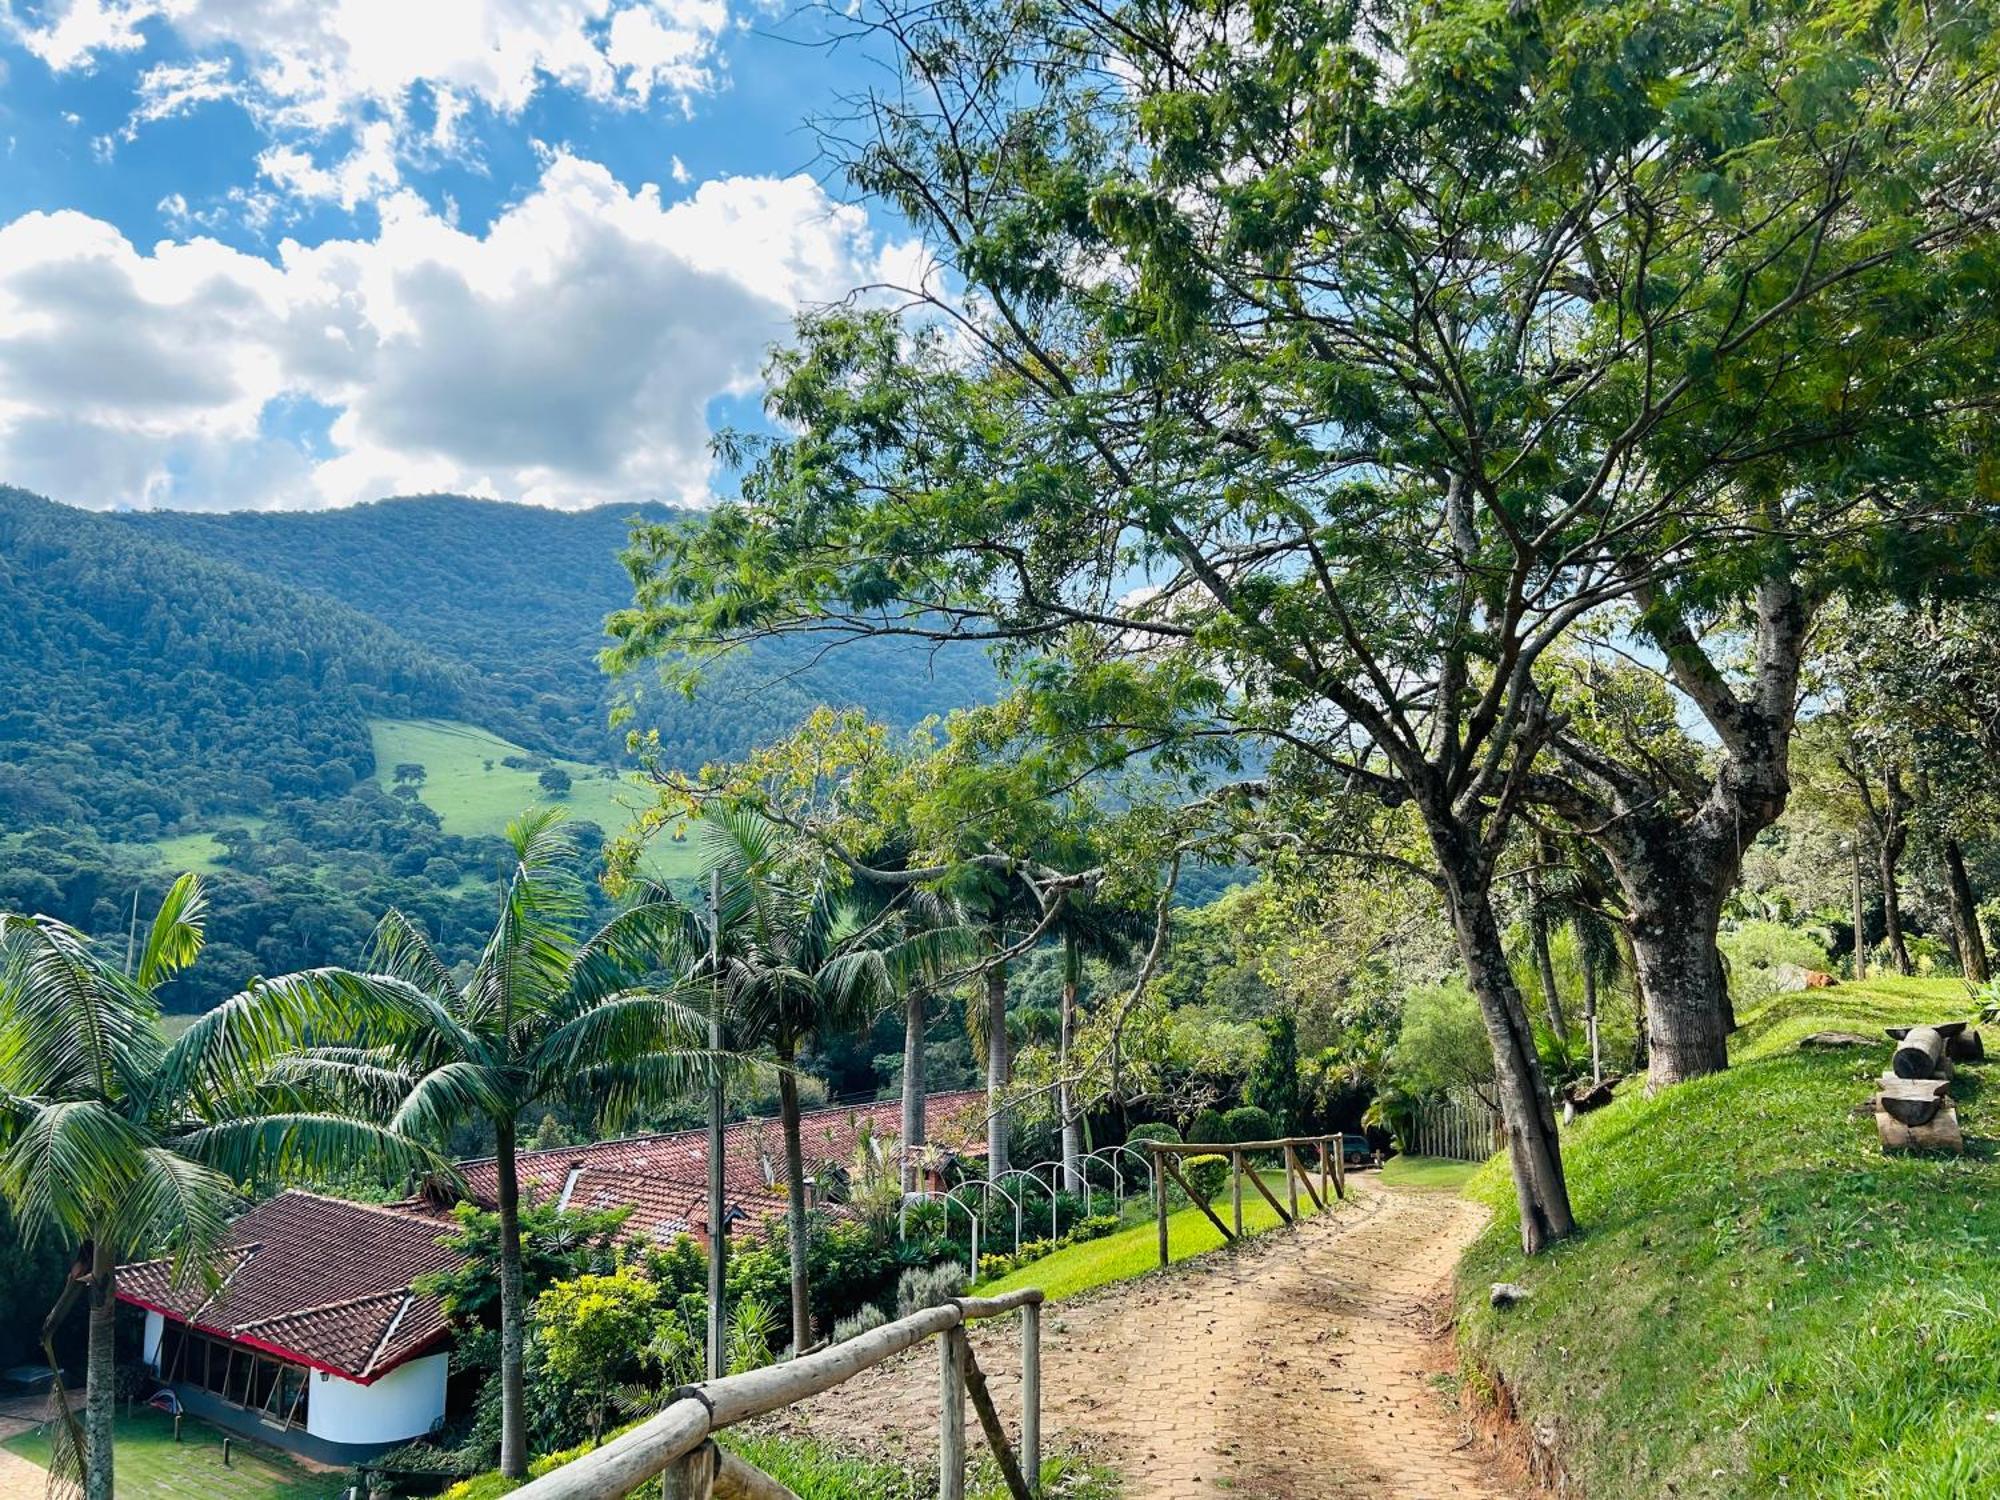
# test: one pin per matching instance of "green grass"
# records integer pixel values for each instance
(815, 1471)
(1430, 1173)
(1761, 1301)
(197, 851)
(1135, 1251)
(152, 1466)
(471, 799)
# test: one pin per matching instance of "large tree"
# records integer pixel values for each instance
(125, 1145)
(1301, 374)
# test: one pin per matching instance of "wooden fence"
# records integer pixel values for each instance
(1461, 1129)
(678, 1447)
(1325, 1148)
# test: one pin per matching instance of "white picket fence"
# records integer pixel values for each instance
(1463, 1129)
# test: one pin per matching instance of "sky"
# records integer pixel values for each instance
(305, 253)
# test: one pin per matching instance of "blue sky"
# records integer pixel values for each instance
(295, 253)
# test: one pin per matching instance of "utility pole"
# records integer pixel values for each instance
(718, 1231)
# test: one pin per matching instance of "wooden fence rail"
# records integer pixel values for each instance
(677, 1447)
(1332, 1178)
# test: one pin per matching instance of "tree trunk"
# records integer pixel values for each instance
(1590, 1021)
(795, 1197)
(913, 1086)
(1966, 931)
(1533, 1150)
(1066, 1111)
(1676, 865)
(1860, 916)
(999, 1071)
(100, 1395)
(1545, 969)
(513, 1313)
(1889, 856)
(1672, 924)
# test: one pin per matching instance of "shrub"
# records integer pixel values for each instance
(1248, 1123)
(1206, 1126)
(928, 1286)
(868, 1316)
(1206, 1175)
(1759, 953)
(1096, 1227)
(1002, 1264)
(1144, 1133)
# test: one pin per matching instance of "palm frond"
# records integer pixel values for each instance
(307, 1144)
(175, 938)
(245, 1035)
(179, 1204)
(625, 1025)
(660, 935)
(400, 947)
(71, 1026)
(68, 1162)
(445, 1096)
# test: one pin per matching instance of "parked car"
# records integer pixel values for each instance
(1355, 1151)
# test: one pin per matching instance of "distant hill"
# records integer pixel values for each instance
(516, 595)
(219, 691)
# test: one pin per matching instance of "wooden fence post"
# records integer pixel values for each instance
(1324, 1171)
(951, 1413)
(1236, 1189)
(1292, 1181)
(1160, 1200)
(691, 1476)
(1031, 1394)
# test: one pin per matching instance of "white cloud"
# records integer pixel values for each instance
(567, 355)
(170, 89)
(316, 69)
(359, 177)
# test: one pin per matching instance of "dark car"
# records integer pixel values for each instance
(1356, 1152)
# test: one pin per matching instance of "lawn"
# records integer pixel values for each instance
(1429, 1173)
(151, 1466)
(468, 784)
(1135, 1251)
(1761, 1302)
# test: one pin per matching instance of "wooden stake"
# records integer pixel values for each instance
(1323, 1172)
(1292, 1181)
(1031, 1395)
(1258, 1183)
(1160, 1199)
(989, 1422)
(1194, 1198)
(1305, 1179)
(692, 1475)
(951, 1414)
(1236, 1189)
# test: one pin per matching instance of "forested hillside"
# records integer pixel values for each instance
(210, 691)
(516, 596)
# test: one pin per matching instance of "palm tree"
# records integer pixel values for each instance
(122, 1143)
(542, 1014)
(1087, 928)
(803, 956)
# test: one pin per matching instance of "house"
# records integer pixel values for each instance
(307, 1332)
(663, 1179)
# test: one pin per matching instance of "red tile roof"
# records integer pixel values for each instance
(327, 1283)
(665, 1177)
(320, 1281)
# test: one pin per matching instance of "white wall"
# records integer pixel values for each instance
(150, 1350)
(401, 1405)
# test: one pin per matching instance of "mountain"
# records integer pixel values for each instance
(516, 595)
(332, 713)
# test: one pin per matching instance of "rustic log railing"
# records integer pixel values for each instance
(677, 1446)
(1332, 1178)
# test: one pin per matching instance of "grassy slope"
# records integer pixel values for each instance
(1762, 1302)
(1135, 1251)
(151, 1466)
(470, 799)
